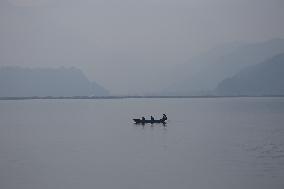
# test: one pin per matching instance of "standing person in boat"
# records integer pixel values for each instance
(164, 117)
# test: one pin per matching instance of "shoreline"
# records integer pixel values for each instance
(131, 97)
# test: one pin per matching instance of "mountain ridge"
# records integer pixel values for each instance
(205, 72)
(21, 82)
(266, 78)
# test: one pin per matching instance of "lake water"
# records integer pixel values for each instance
(208, 143)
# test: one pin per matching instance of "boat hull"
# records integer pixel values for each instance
(139, 121)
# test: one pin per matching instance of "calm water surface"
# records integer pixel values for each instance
(220, 143)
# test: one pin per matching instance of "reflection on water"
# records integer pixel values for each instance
(207, 143)
(160, 126)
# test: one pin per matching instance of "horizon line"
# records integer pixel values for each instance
(131, 96)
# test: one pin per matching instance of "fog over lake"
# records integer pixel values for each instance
(132, 47)
(215, 143)
(75, 73)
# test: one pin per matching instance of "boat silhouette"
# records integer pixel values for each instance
(143, 120)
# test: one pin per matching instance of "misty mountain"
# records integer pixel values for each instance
(203, 73)
(26, 82)
(266, 78)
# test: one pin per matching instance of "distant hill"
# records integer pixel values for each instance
(203, 73)
(26, 82)
(266, 78)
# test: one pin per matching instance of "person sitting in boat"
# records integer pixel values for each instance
(152, 119)
(143, 119)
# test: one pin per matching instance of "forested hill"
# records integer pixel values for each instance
(26, 82)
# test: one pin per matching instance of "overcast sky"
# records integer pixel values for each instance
(126, 45)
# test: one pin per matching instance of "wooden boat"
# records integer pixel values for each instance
(140, 121)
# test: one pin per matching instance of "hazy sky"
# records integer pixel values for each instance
(128, 45)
